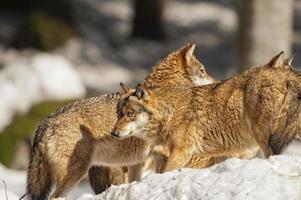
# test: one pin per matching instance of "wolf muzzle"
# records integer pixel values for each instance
(115, 133)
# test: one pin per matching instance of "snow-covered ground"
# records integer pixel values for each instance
(276, 178)
(15, 182)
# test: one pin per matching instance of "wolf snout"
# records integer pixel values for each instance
(115, 133)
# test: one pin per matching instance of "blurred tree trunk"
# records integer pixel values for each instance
(148, 19)
(265, 28)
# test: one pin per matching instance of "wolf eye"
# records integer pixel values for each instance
(129, 114)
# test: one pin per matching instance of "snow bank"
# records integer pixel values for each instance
(25, 81)
(277, 178)
(14, 182)
(8, 195)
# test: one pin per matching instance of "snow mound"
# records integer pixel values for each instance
(15, 185)
(276, 178)
(7, 195)
(29, 80)
(14, 181)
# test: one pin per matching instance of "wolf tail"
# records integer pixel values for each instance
(38, 175)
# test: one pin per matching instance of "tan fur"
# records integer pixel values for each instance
(260, 106)
(68, 142)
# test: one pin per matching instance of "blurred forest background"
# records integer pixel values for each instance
(55, 51)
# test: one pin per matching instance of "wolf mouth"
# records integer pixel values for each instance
(123, 137)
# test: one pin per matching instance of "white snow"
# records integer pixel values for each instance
(11, 180)
(15, 182)
(7, 195)
(276, 178)
(43, 76)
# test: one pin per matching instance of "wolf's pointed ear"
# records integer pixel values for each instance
(187, 52)
(141, 92)
(125, 88)
(288, 61)
(277, 60)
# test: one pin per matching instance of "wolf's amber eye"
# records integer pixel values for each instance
(129, 114)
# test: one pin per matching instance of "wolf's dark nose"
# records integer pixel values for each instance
(115, 133)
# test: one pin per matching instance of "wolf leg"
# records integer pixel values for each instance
(67, 182)
(100, 178)
(160, 156)
(135, 172)
(177, 159)
(160, 161)
(263, 142)
(68, 176)
(283, 135)
(199, 162)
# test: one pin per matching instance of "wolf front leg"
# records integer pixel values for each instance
(135, 172)
(285, 132)
(261, 138)
(271, 124)
(68, 179)
(177, 159)
(160, 156)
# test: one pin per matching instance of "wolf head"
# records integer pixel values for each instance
(194, 68)
(134, 112)
(179, 68)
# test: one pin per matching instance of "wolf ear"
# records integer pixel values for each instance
(277, 60)
(187, 52)
(288, 61)
(125, 88)
(141, 92)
